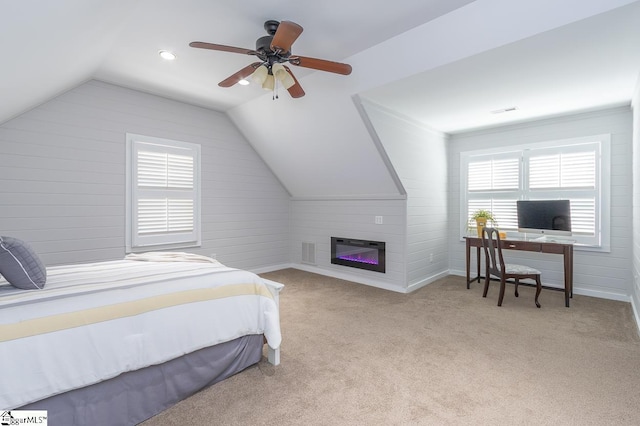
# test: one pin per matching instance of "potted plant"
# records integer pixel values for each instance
(481, 216)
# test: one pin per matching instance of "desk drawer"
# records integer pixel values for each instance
(521, 245)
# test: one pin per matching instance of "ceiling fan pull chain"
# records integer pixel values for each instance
(275, 89)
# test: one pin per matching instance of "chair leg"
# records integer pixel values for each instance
(502, 285)
(486, 284)
(517, 282)
(538, 289)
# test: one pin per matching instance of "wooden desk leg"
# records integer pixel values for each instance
(478, 262)
(468, 250)
(568, 274)
(571, 271)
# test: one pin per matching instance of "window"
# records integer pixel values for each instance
(574, 169)
(163, 193)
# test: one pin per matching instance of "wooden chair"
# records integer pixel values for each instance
(495, 266)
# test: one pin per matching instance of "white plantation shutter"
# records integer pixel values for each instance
(572, 169)
(563, 170)
(583, 216)
(164, 192)
(493, 183)
(163, 169)
(164, 215)
(494, 174)
(569, 172)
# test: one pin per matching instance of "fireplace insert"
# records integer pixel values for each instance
(362, 254)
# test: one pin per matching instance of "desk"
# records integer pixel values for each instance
(565, 249)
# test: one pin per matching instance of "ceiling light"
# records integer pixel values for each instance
(269, 83)
(500, 111)
(165, 54)
(268, 77)
(243, 82)
(282, 75)
(259, 75)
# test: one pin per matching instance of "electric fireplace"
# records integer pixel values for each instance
(362, 254)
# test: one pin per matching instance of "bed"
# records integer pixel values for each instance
(117, 342)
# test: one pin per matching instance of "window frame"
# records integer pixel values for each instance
(135, 242)
(602, 142)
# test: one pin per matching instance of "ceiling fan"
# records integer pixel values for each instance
(274, 50)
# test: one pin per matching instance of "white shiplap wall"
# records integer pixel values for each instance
(317, 220)
(597, 274)
(419, 157)
(635, 284)
(62, 177)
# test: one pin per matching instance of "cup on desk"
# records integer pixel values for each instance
(503, 235)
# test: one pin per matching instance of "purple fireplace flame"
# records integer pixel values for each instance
(363, 254)
(362, 258)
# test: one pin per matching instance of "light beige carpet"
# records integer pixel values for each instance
(443, 355)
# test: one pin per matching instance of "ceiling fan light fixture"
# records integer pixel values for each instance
(269, 83)
(281, 74)
(243, 82)
(259, 75)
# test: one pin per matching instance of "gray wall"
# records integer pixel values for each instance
(62, 178)
(419, 157)
(597, 274)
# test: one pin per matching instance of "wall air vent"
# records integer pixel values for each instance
(309, 253)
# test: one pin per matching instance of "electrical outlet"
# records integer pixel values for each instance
(378, 220)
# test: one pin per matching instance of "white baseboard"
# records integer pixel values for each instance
(271, 268)
(426, 281)
(602, 294)
(368, 281)
(635, 315)
(349, 277)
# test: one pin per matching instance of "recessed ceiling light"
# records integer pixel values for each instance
(243, 82)
(165, 54)
(500, 111)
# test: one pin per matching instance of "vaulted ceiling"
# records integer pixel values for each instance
(444, 63)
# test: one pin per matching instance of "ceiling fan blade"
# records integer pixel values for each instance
(320, 64)
(285, 35)
(296, 90)
(244, 72)
(222, 47)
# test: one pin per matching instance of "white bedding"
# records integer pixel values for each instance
(92, 322)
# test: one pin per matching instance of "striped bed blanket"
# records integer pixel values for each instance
(94, 321)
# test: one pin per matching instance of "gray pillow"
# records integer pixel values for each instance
(20, 265)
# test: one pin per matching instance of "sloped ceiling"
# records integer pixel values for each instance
(318, 146)
(586, 65)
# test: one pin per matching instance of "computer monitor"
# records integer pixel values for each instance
(549, 217)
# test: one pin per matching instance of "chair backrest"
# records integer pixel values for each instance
(492, 250)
